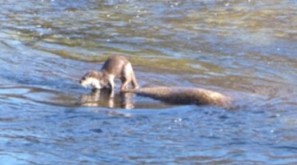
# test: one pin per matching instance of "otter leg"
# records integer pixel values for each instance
(128, 76)
(112, 86)
(111, 83)
(125, 83)
(132, 76)
(134, 82)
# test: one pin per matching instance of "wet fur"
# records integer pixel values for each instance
(113, 67)
(184, 95)
(119, 66)
(92, 79)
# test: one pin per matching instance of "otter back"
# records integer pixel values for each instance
(114, 65)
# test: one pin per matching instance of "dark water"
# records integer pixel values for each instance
(245, 49)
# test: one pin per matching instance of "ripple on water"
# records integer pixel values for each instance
(244, 48)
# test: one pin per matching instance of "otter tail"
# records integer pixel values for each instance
(183, 95)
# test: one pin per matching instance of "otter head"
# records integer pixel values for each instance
(93, 79)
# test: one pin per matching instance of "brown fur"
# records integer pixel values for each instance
(119, 66)
(184, 95)
(113, 67)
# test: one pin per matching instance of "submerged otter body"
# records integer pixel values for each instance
(184, 95)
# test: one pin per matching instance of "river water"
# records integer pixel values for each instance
(243, 48)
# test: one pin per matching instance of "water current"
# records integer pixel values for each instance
(245, 49)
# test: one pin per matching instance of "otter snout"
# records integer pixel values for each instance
(90, 82)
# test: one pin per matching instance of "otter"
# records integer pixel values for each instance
(119, 66)
(184, 95)
(114, 67)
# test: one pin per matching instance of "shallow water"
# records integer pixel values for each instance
(245, 49)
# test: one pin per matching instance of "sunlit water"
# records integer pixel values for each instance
(245, 49)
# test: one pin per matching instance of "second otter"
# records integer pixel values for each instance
(114, 66)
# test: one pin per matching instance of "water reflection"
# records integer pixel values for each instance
(246, 48)
(103, 98)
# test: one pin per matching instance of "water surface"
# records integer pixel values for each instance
(245, 49)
